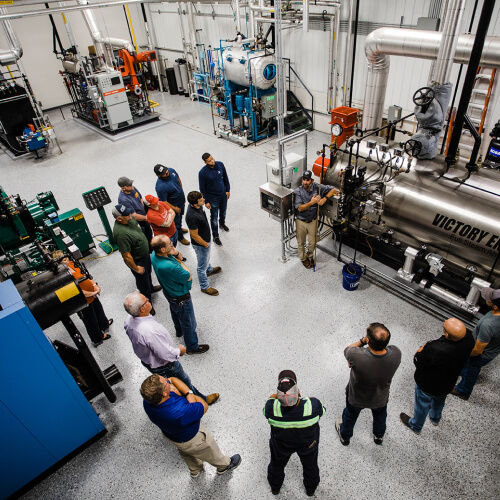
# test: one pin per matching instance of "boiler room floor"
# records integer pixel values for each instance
(269, 316)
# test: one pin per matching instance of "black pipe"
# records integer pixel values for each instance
(354, 51)
(55, 33)
(472, 166)
(470, 77)
(443, 145)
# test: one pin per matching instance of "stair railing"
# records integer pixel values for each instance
(306, 111)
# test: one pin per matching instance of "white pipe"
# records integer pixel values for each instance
(12, 55)
(305, 16)
(238, 15)
(271, 20)
(384, 42)
(345, 76)
(251, 20)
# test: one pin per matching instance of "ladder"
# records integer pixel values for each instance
(477, 109)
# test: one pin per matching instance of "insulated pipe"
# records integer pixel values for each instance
(451, 30)
(12, 55)
(305, 17)
(347, 52)
(251, 20)
(384, 42)
(238, 15)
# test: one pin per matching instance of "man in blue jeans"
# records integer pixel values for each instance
(214, 185)
(176, 281)
(199, 230)
(438, 364)
(373, 363)
(153, 345)
(487, 347)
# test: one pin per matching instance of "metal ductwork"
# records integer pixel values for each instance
(11, 55)
(384, 42)
(102, 44)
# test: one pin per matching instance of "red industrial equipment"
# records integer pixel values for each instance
(129, 73)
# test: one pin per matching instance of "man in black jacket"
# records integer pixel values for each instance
(438, 364)
(294, 425)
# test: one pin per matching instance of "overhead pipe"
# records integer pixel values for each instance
(238, 15)
(384, 42)
(12, 55)
(345, 76)
(441, 69)
(305, 16)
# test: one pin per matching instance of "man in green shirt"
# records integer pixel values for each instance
(176, 281)
(134, 247)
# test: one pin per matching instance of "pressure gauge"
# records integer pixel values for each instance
(337, 130)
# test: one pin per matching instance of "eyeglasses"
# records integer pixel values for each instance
(165, 386)
(147, 300)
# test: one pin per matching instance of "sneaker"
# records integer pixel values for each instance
(223, 226)
(184, 241)
(184, 230)
(215, 270)
(201, 349)
(156, 289)
(406, 421)
(195, 474)
(210, 291)
(338, 423)
(213, 398)
(377, 440)
(456, 393)
(235, 461)
(217, 241)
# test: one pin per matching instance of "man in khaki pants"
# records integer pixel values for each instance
(307, 198)
(172, 406)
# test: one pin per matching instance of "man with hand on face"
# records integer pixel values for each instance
(307, 198)
(199, 229)
(169, 189)
(294, 425)
(174, 408)
(215, 188)
(153, 345)
(176, 281)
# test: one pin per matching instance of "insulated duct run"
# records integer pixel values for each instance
(11, 55)
(384, 42)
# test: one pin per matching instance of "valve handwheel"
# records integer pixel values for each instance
(423, 96)
(413, 147)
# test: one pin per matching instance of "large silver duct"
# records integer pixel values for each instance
(384, 42)
(103, 45)
(12, 55)
(452, 14)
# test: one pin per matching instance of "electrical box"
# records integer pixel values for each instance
(269, 106)
(114, 96)
(45, 416)
(276, 200)
(73, 224)
(293, 168)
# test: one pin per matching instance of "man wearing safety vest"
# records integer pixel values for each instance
(294, 425)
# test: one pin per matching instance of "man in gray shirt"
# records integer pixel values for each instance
(373, 363)
(487, 347)
(153, 345)
(307, 198)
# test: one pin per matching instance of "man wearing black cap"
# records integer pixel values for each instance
(134, 248)
(132, 199)
(487, 347)
(169, 189)
(307, 198)
(294, 425)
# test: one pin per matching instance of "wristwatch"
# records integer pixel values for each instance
(188, 392)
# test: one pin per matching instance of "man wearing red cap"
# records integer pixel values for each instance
(487, 347)
(294, 425)
(161, 218)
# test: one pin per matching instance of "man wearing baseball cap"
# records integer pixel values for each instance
(487, 337)
(169, 189)
(307, 198)
(161, 218)
(132, 199)
(294, 425)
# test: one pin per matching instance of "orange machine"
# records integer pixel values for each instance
(129, 74)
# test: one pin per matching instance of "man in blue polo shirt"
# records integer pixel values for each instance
(215, 188)
(172, 406)
(176, 281)
(169, 189)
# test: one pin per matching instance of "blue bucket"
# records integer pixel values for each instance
(351, 275)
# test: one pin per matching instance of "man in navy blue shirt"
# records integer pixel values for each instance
(169, 189)
(172, 406)
(215, 188)
(132, 199)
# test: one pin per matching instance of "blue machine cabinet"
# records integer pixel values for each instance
(44, 416)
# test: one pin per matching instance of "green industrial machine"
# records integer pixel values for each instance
(22, 223)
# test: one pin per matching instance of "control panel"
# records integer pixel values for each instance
(268, 106)
(96, 198)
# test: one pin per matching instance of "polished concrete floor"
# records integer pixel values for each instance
(269, 316)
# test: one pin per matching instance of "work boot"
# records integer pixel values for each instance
(156, 288)
(211, 291)
(213, 398)
(217, 241)
(201, 349)
(224, 227)
(184, 241)
(306, 263)
(215, 270)
(184, 230)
